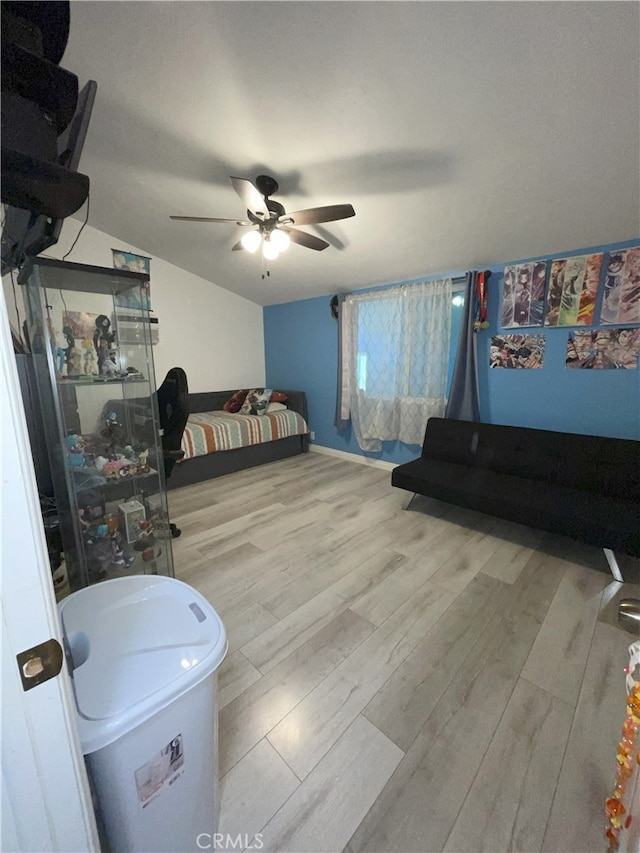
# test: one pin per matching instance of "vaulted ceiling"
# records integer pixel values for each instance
(464, 133)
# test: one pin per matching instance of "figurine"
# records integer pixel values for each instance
(143, 467)
(103, 332)
(59, 345)
(99, 550)
(145, 538)
(120, 559)
(75, 446)
(112, 432)
(67, 331)
(104, 342)
(74, 362)
(107, 363)
(129, 453)
(90, 358)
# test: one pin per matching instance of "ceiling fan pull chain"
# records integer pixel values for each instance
(263, 269)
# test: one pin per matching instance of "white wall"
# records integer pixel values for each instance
(216, 336)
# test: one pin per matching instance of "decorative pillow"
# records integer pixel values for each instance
(256, 401)
(278, 397)
(276, 407)
(234, 403)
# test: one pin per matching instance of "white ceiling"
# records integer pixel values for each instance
(464, 133)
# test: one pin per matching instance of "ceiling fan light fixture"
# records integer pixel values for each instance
(280, 239)
(270, 250)
(250, 241)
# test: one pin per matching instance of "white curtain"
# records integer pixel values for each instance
(395, 361)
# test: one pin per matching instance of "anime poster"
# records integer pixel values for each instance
(134, 263)
(604, 349)
(621, 300)
(573, 289)
(523, 294)
(519, 351)
(81, 324)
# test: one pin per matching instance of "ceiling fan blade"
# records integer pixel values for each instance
(211, 219)
(313, 215)
(304, 239)
(252, 198)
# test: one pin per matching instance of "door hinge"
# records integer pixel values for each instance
(40, 663)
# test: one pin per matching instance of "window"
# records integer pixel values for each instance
(396, 360)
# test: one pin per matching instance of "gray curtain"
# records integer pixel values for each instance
(340, 422)
(463, 403)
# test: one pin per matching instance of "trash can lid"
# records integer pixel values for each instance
(137, 643)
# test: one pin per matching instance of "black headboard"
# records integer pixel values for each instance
(213, 401)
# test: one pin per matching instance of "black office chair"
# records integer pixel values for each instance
(173, 406)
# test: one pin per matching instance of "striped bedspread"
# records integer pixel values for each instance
(207, 432)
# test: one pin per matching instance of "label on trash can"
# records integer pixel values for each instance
(163, 770)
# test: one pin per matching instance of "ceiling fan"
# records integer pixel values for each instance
(270, 223)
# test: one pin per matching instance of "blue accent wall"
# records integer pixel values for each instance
(301, 352)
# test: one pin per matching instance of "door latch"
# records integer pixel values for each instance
(40, 663)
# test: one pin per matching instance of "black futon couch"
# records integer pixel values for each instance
(586, 487)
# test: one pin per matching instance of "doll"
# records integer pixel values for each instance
(59, 346)
(104, 342)
(107, 360)
(74, 363)
(90, 358)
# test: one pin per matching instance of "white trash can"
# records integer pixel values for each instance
(145, 650)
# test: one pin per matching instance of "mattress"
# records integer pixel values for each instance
(208, 432)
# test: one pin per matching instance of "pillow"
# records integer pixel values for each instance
(278, 397)
(256, 401)
(234, 403)
(276, 407)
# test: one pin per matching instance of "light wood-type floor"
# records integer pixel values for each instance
(423, 680)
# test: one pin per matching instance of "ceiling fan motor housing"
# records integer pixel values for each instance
(266, 185)
(275, 209)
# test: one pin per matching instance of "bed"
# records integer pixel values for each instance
(207, 424)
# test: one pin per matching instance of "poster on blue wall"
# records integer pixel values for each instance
(523, 294)
(517, 351)
(604, 349)
(621, 299)
(573, 290)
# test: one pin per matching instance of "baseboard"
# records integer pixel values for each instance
(353, 457)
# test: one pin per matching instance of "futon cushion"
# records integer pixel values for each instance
(612, 523)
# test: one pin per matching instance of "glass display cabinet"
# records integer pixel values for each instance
(90, 338)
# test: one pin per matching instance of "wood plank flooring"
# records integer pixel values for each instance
(422, 680)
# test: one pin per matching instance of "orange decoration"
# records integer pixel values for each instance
(614, 808)
(626, 749)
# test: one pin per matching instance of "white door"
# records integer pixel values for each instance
(46, 805)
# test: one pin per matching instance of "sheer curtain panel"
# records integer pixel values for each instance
(395, 357)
